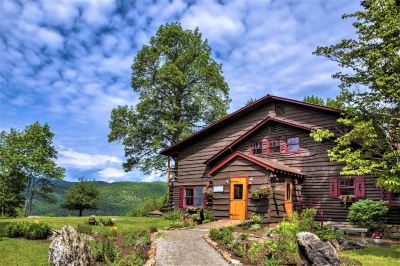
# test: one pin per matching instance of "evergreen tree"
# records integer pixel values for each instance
(81, 196)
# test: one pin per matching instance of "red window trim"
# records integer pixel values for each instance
(184, 197)
(268, 151)
(262, 147)
(287, 145)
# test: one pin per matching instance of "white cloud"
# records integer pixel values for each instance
(111, 172)
(79, 160)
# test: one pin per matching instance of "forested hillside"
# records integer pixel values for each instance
(115, 198)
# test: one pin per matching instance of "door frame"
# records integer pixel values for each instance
(245, 190)
(289, 181)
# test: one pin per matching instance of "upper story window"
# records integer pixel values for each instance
(274, 146)
(256, 148)
(346, 187)
(293, 144)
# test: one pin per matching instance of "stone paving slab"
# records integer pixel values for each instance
(186, 247)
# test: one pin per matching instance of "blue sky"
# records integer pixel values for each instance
(67, 62)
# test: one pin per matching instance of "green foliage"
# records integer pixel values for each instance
(27, 165)
(256, 219)
(394, 236)
(107, 222)
(180, 87)
(173, 215)
(255, 227)
(370, 92)
(261, 192)
(307, 220)
(367, 212)
(329, 233)
(208, 215)
(330, 102)
(105, 250)
(84, 229)
(81, 196)
(214, 234)
(181, 224)
(271, 262)
(29, 230)
(253, 253)
(132, 260)
(243, 236)
(240, 249)
(149, 205)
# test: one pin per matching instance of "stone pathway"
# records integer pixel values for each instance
(186, 247)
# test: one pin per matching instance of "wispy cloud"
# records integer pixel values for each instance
(67, 62)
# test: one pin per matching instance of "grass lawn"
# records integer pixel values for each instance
(18, 251)
(375, 255)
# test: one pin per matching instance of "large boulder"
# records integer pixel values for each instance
(316, 251)
(69, 248)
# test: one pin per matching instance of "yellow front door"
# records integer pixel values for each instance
(238, 198)
(288, 196)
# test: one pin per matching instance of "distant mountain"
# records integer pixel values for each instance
(115, 198)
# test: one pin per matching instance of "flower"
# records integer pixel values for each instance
(36, 222)
(377, 234)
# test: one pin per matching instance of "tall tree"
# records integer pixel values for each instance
(28, 157)
(81, 196)
(370, 89)
(180, 87)
(330, 102)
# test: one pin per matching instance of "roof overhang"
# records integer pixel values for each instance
(244, 110)
(265, 163)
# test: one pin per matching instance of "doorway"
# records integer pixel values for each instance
(289, 196)
(238, 198)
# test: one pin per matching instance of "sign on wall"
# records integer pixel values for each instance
(218, 189)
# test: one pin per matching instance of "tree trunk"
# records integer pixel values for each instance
(80, 212)
(28, 189)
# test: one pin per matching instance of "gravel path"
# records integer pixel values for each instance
(186, 247)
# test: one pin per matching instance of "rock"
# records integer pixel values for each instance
(69, 248)
(354, 244)
(92, 220)
(393, 229)
(335, 244)
(54, 234)
(316, 251)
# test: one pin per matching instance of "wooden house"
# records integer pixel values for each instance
(266, 147)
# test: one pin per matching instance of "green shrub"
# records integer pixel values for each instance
(256, 219)
(153, 229)
(107, 222)
(106, 251)
(208, 215)
(243, 236)
(367, 213)
(253, 253)
(176, 224)
(255, 227)
(215, 234)
(307, 220)
(227, 238)
(239, 249)
(84, 229)
(132, 260)
(173, 215)
(29, 230)
(271, 262)
(394, 236)
(329, 233)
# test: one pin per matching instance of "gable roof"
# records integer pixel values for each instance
(238, 113)
(255, 128)
(269, 164)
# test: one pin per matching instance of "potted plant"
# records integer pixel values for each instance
(377, 237)
(208, 191)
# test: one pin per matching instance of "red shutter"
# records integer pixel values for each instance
(181, 196)
(283, 144)
(204, 200)
(359, 187)
(333, 188)
(251, 149)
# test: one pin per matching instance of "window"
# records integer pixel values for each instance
(288, 192)
(274, 146)
(256, 148)
(238, 191)
(194, 197)
(293, 144)
(346, 187)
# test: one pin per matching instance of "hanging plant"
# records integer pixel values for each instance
(208, 191)
(261, 192)
(346, 199)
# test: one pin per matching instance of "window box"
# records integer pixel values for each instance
(346, 200)
(261, 193)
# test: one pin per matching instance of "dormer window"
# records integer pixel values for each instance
(293, 144)
(256, 148)
(274, 146)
